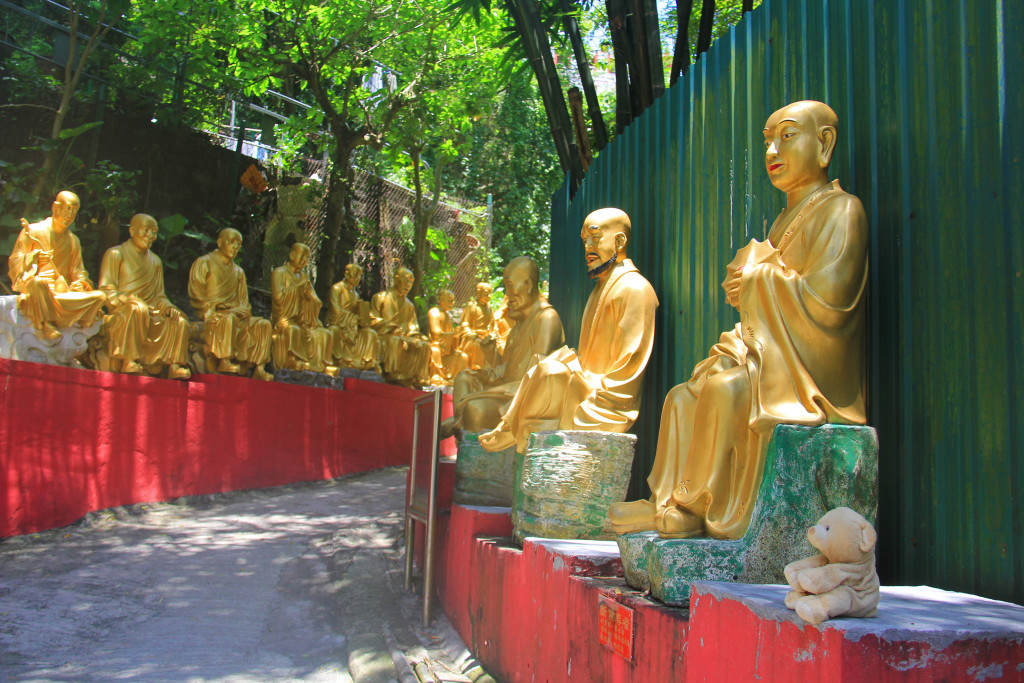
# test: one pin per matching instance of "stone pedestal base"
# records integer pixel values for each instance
(566, 481)
(808, 471)
(482, 477)
(19, 341)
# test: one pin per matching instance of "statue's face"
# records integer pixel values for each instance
(64, 212)
(599, 244)
(143, 232)
(403, 283)
(298, 258)
(229, 244)
(792, 148)
(353, 276)
(483, 294)
(519, 291)
(446, 301)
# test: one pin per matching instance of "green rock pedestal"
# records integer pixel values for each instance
(566, 481)
(808, 471)
(482, 477)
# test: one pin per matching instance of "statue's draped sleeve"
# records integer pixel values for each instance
(803, 322)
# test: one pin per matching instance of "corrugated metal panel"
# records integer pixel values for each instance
(930, 96)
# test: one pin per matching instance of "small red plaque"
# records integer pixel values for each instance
(615, 627)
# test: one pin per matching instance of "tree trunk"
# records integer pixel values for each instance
(528, 24)
(622, 49)
(707, 25)
(681, 54)
(420, 224)
(337, 242)
(572, 28)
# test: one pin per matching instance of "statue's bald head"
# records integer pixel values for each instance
(522, 284)
(810, 117)
(446, 298)
(64, 210)
(605, 234)
(403, 281)
(143, 230)
(67, 197)
(229, 233)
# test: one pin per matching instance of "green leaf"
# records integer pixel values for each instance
(75, 132)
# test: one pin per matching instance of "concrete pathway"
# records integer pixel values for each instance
(297, 583)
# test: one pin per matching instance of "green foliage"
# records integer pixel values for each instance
(727, 14)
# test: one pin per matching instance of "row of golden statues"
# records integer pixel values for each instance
(797, 355)
(143, 332)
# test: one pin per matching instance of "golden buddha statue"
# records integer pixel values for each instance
(406, 355)
(797, 355)
(217, 290)
(480, 397)
(446, 358)
(356, 344)
(597, 389)
(301, 342)
(479, 331)
(143, 328)
(46, 270)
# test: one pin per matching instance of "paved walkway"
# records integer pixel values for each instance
(297, 583)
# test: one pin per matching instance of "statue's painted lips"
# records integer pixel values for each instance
(592, 257)
(776, 166)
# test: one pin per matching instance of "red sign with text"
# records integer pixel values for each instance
(615, 627)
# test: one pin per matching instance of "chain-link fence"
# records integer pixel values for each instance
(384, 213)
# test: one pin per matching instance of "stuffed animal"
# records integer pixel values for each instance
(841, 582)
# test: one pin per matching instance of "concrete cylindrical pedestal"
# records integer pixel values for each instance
(566, 481)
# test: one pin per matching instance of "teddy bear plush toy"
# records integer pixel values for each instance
(841, 581)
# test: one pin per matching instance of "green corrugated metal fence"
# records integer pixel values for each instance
(931, 107)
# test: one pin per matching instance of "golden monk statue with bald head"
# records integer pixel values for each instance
(301, 342)
(446, 358)
(597, 388)
(797, 356)
(479, 330)
(234, 338)
(406, 355)
(356, 345)
(46, 270)
(144, 328)
(481, 397)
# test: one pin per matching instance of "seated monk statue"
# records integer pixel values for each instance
(446, 359)
(355, 345)
(479, 331)
(597, 389)
(301, 342)
(220, 297)
(46, 270)
(480, 397)
(144, 328)
(796, 356)
(406, 355)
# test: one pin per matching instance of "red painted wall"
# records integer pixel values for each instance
(73, 441)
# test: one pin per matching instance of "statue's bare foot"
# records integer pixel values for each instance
(48, 331)
(632, 517)
(673, 522)
(130, 367)
(175, 371)
(226, 367)
(498, 439)
(261, 373)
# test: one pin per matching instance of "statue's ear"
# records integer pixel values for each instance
(620, 241)
(827, 138)
(868, 537)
